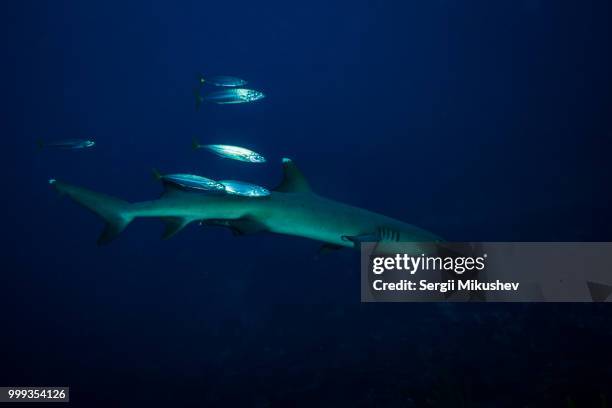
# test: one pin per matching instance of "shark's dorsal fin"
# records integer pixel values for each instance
(293, 179)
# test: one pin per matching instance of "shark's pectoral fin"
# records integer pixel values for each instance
(173, 225)
(240, 226)
(293, 179)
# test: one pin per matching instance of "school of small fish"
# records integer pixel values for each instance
(229, 90)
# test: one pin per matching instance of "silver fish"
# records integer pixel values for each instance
(190, 181)
(233, 96)
(67, 144)
(242, 188)
(221, 80)
(232, 152)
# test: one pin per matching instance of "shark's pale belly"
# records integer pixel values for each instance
(304, 215)
(315, 217)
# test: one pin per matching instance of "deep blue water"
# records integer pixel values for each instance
(476, 120)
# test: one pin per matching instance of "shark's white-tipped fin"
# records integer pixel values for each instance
(293, 179)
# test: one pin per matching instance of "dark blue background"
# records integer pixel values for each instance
(477, 120)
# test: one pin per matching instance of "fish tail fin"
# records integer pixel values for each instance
(39, 143)
(156, 174)
(112, 210)
(198, 98)
(195, 144)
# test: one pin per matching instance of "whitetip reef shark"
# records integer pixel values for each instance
(292, 208)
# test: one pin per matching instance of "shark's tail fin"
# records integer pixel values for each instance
(113, 210)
